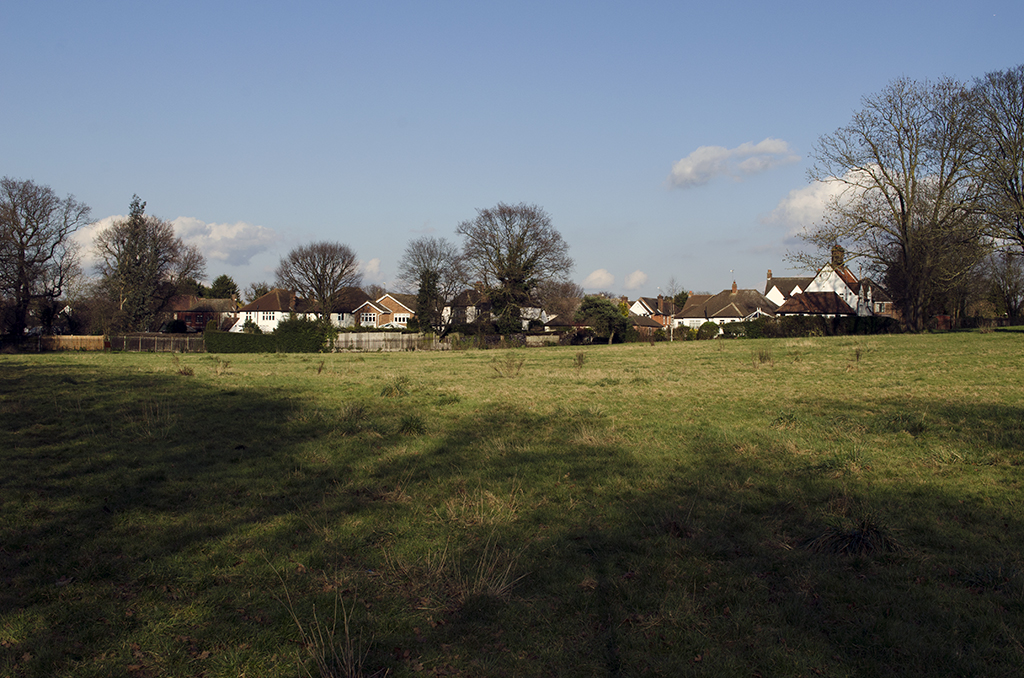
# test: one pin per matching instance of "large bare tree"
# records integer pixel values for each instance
(319, 272)
(142, 264)
(37, 255)
(907, 202)
(512, 249)
(433, 269)
(999, 147)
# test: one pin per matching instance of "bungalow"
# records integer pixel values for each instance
(401, 308)
(369, 314)
(270, 309)
(277, 304)
(728, 306)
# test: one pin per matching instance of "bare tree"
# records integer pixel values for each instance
(908, 202)
(999, 150)
(319, 272)
(433, 269)
(560, 298)
(37, 255)
(1005, 272)
(375, 291)
(512, 249)
(255, 290)
(142, 264)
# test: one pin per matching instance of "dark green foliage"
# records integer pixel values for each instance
(427, 298)
(708, 330)
(223, 287)
(242, 342)
(295, 335)
(175, 327)
(603, 315)
(300, 335)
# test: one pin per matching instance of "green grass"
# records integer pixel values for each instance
(834, 506)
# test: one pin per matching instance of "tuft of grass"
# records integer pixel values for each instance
(183, 370)
(395, 387)
(866, 537)
(579, 361)
(411, 424)
(333, 652)
(762, 356)
(509, 366)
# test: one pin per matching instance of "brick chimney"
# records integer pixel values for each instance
(769, 274)
(734, 287)
(838, 253)
(661, 305)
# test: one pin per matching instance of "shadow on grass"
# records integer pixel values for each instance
(141, 512)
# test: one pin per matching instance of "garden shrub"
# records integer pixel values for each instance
(708, 330)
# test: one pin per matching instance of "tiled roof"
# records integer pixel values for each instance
(729, 304)
(349, 299)
(277, 300)
(816, 303)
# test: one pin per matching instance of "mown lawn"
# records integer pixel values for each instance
(833, 506)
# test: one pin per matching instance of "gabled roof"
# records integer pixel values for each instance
(278, 300)
(816, 303)
(349, 299)
(407, 301)
(370, 303)
(787, 285)
(845, 274)
(694, 301)
(651, 304)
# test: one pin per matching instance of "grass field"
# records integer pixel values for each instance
(833, 506)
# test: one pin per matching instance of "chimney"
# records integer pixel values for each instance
(837, 255)
(769, 274)
(661, 305)
(734, 287)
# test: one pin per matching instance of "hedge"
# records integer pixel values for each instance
(291, 336)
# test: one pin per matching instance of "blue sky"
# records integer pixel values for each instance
(665, 139)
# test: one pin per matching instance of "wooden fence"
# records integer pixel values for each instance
(71, 343)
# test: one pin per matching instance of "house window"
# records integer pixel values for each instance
(268, 315)
(368, 319)
(402, 318)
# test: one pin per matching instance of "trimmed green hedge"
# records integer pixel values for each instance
(809, 326)
(295, 335)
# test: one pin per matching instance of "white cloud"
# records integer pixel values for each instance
(599, 279)
(636, 280)
(806, 206)
(85, 237)
(371, 271)
(234, 244)
(707, 162)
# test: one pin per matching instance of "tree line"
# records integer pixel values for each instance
(929, 194)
